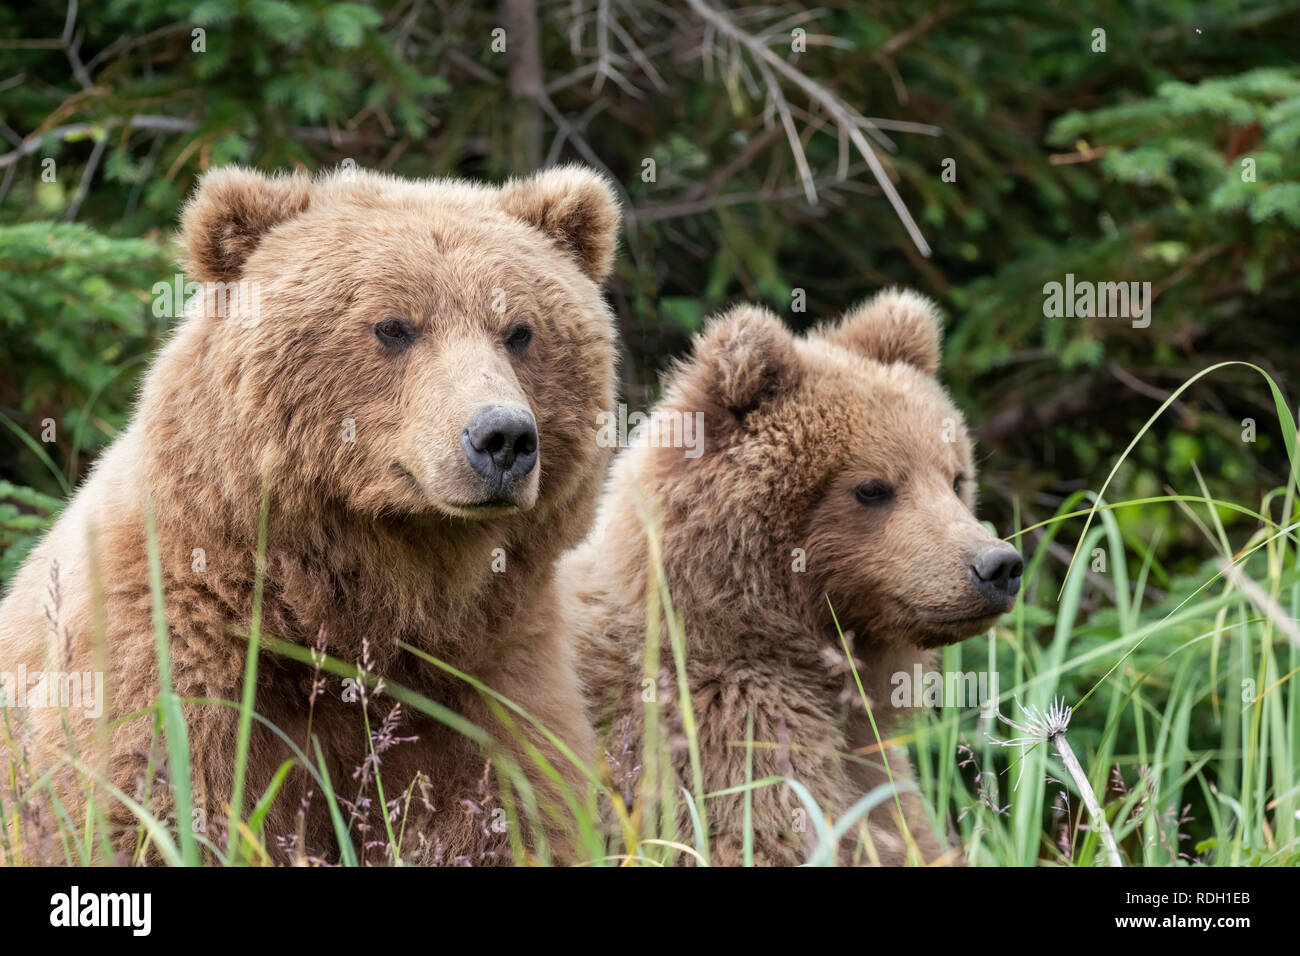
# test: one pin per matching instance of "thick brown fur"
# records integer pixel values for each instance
(760, 536)
(375, 540)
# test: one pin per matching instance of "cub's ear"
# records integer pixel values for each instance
(230, 213)
(574, 206)
(742, 358)
(897, 325)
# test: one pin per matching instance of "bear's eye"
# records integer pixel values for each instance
(873, 492)
(958, 482)
(394, 332)
(518, 337)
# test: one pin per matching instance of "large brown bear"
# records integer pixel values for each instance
(834, 473)
(414, 369)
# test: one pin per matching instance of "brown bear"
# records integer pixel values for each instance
(413, 369)
(834, 483)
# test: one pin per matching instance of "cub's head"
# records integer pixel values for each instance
(846, 470)
(408, 347)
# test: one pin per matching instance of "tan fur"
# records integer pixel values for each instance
(792, 426)
(373, 540)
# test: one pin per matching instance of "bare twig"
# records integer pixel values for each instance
(87, 175)
(792, 134)
(167, 124)
(1262, 600)
(72, 47)
(1085, 155)
(691, 207)
(920, 27)
(1185, 416)
(845, 116)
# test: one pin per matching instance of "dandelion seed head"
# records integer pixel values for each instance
(1038, 724)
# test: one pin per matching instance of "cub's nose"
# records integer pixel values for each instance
(996, 572)
(500, 442)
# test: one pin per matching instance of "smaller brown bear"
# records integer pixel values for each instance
(834, 472)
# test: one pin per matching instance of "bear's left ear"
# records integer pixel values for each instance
(898, 325)
(230, 213)
(574, 206)
(742, 359)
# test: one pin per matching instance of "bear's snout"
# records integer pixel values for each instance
(500, 442)
(996, 571)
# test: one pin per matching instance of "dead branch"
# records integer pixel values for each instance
(845, 116)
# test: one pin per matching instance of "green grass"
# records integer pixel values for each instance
(1191, 700)
(1186, 721)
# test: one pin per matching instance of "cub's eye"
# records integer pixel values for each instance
(958, 482)
(873, 492)
(518, 337)
(396, 333)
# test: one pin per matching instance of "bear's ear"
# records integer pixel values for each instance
(230, 213)
(898, 325)
(742, 358)
(574, 206)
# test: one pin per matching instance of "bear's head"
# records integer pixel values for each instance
(839, 471)
(432, 348)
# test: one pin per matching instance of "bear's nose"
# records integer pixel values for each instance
(500, 442)
(996, 571)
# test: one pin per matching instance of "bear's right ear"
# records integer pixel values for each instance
(742, 358)
(897, 325)
(576, 207)
(230, 213)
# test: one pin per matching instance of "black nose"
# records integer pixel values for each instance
(996, 571)
(500, 442)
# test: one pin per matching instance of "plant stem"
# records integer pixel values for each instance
(1089, 798)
